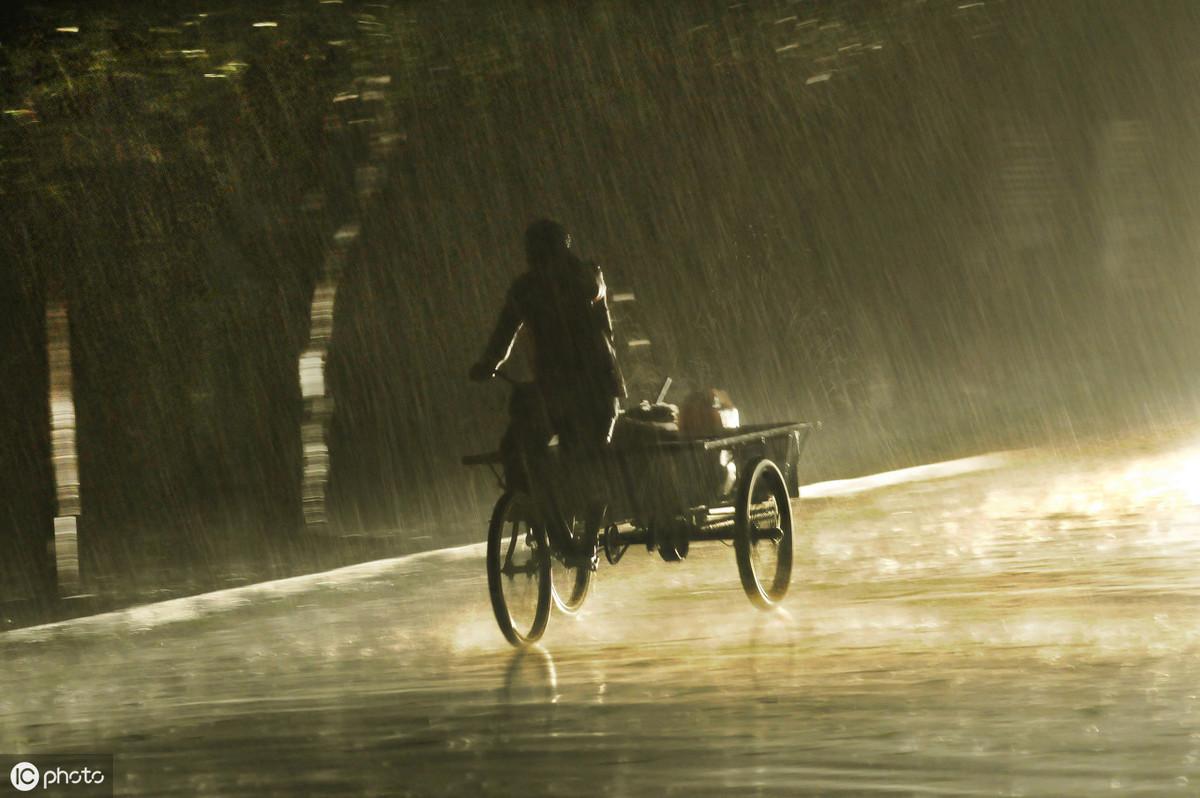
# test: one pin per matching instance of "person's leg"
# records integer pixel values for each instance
(512, 459)
(584, 436)
(526, 437)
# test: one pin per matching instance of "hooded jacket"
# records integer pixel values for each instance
(564, 303)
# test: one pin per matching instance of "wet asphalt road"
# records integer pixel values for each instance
(1028, 629)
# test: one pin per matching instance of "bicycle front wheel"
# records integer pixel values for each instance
(518, 570)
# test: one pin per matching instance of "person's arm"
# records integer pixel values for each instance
(596, 283)
(600, 297)
(500, 344)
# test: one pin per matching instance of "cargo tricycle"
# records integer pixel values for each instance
(658, 490)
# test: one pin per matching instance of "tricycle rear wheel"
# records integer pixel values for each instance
(518, 570)
(763, 534)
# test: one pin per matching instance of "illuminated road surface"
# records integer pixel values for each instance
(1031, 629)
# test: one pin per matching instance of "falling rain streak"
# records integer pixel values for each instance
(251, 253)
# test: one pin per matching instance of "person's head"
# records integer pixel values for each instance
(546, 242)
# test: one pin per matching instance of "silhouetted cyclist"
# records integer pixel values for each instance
(578, 385)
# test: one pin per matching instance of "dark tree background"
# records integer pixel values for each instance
(936, 226)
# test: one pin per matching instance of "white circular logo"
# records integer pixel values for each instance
(24, 776)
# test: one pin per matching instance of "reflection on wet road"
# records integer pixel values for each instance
(1026, 630)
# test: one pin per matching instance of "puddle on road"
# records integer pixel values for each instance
(1029, 630)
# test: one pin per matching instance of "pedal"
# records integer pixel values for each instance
(673, 542)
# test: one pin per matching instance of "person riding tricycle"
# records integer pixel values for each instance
(710, 478)
(577, 388)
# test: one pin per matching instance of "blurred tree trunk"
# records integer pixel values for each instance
(62, 446)
(318, 404)
(366, 121)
